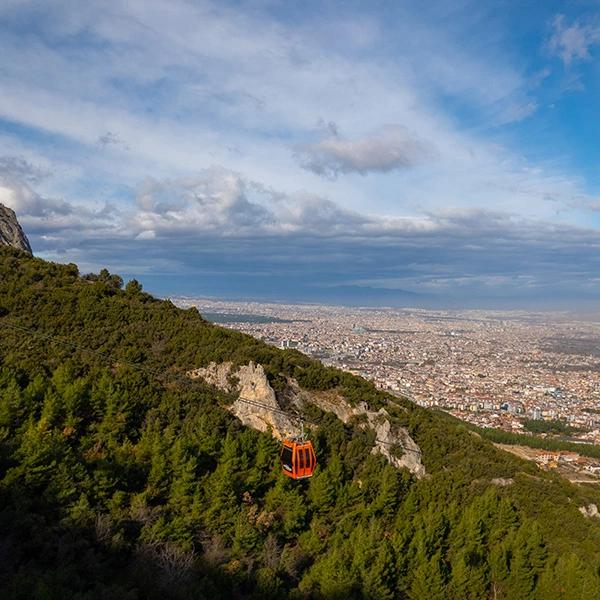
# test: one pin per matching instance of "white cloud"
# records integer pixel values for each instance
(181, 84)
(225, 203)
(51, 222)
(147, 234)
(392, 148)
(573, 42)
(16, 191)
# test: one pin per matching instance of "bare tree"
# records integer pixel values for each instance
(103, 527)
(175, 563)
(271, 553)
(214, 551)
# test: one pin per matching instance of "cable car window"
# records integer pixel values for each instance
(286, 458)
(301, 455)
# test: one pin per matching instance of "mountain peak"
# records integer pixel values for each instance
(11, 233)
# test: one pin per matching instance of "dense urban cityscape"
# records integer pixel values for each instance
(493, 369)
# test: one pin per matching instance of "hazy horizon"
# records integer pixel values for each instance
(592, 313)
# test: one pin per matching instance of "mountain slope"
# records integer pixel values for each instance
(121, 477)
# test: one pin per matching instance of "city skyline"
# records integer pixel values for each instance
(495, 369)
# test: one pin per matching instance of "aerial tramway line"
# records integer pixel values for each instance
(297, 456)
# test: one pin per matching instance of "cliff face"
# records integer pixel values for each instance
(257, 407)
(11, 233)
(255, 397)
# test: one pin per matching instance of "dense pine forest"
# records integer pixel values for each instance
(121, 478)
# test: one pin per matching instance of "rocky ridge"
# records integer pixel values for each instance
(11, 233)
(255, 394)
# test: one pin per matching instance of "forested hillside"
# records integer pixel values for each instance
(120, 478)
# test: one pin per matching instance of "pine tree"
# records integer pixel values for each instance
(183, 472)
(378, 577)
(11, 404)
(53, 409)
(287, 502)
(158, 477)
(469, 568)
(388, 496)
(569, 578)
(321, 491)
(429, 579)
(259, 475)
(527, 559)
(221, 512)
(499, 561)
(469, 577)
(504, 522)
(246, 536)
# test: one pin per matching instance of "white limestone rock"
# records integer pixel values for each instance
(11, 233)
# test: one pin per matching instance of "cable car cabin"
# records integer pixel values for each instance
(298, 459)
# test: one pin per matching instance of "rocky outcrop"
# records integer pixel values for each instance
(395, 443)
(11, 233)
(591, 510)
(391, 441)
(215, 374)
(502, 481)
(257, 407)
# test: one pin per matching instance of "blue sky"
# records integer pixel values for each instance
(381, 152)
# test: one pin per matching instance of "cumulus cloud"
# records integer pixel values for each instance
(18, 168)
(16, 179)
(221, 233)
(50, 223)
(573, 42)
(449, 258)
(251, 235)
(223, 201)
(391, 148)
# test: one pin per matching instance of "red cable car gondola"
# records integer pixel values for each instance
(298, 459)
